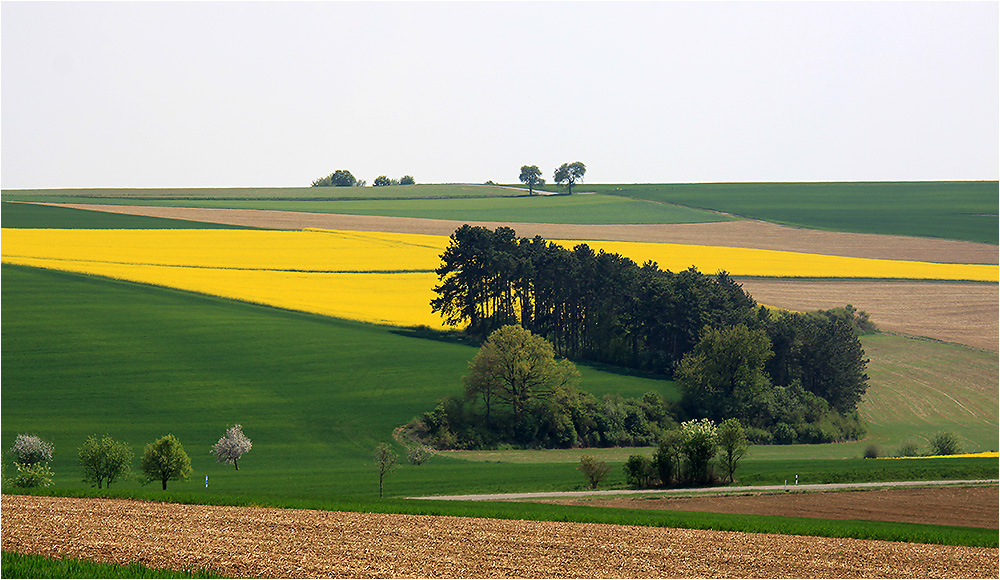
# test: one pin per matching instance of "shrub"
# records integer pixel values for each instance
(104, 460)
(639, 471)
(595, 471)
(667, 458)
(945, 443)
(908, 448)
(33, 475)
(31, 449)
(872, 451)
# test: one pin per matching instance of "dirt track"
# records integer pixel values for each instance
(262, 542)
(947, 506)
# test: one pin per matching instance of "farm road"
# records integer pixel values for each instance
(706, 490)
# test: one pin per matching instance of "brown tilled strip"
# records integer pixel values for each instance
(263, 542)
(737, 234)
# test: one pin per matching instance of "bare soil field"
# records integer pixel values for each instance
(739, 234)
(264, 542)
(949, 506)
(964, 313)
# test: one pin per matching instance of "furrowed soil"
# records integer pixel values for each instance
(948, 506)
(265, 542)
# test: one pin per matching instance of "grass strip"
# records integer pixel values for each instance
(17, 565)
(744, 523)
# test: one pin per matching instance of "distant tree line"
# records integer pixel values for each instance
(790, 377)
(344, 178)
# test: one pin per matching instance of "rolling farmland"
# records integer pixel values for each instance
(164, 342)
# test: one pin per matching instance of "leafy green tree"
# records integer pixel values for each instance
(724, 374)
(519, 367)
(165, 460)
(667, 457)
(570, 173)
(595, 471)
(382, 181)
(732, 445)
(385, 461)
(639, 471)
(339, 178)
(699, 446)
(104, 460)
(407, 180)
(531, 176)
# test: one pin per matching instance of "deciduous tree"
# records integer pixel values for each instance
(531, 176)
(31, 449)
(232, 446)
(104, 460)
(165, 460)
(570, 173)
(385, 461)
(732, 445)
(518, 367)
(595, 471)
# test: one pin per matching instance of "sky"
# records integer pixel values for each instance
(261, 94)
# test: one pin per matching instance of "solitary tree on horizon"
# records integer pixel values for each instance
(531, 176)
(570, 173)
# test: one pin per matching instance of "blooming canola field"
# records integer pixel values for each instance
(385, 278)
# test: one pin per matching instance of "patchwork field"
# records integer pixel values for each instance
(317, 393)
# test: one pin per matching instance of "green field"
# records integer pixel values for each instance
(473, 203)
(22, 215)
(87, 355)
(954, 210)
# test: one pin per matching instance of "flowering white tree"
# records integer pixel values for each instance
(699, 445)
(31, 449)
(232, 446)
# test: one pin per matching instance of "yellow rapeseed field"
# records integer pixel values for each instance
(375, 277)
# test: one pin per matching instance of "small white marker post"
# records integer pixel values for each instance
(796, 479)
(206, 481)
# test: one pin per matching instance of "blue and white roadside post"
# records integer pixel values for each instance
(206, 481)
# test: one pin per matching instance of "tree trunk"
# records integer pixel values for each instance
(236, 462)
(164, 484)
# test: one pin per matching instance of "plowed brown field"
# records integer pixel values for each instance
(947, 506)
(263, 542)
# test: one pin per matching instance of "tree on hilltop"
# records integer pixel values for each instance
(531, 176)
(570, 173)
(339, 178)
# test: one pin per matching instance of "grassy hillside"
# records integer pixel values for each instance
(955, 210)
(87, 355)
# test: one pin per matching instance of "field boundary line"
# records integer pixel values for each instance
(706, 490)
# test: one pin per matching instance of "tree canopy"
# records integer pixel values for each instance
(165, 460)
(339, 178)
(570, 173)
(531, 176)
(791, 377)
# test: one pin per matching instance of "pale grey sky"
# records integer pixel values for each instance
(191, 94)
